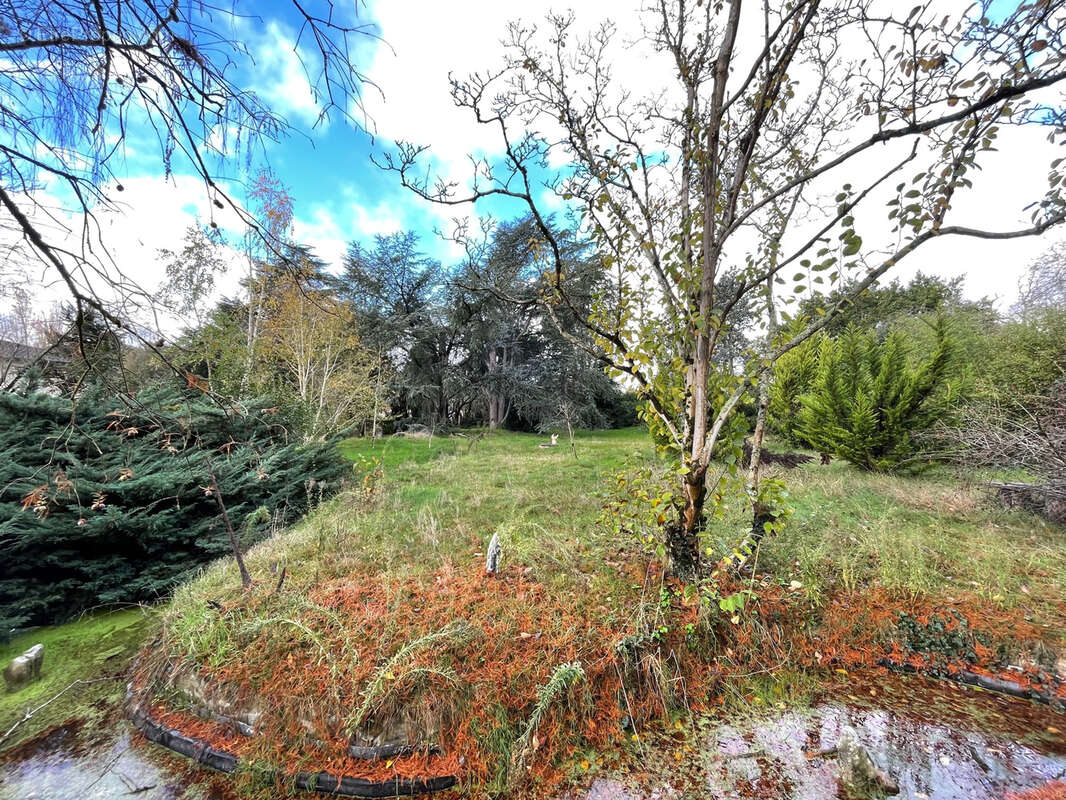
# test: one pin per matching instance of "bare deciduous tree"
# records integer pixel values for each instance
(822, 108)
(1044, 285)
(79, 77)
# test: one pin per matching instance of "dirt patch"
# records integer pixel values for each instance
(789, 460)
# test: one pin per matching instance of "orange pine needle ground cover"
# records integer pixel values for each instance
(486, 684)
(1056, 790)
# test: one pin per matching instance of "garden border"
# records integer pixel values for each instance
(345, 786)
(998, 685)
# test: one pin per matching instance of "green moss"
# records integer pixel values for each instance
(94, 649)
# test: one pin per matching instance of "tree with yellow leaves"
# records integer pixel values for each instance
(321, 368)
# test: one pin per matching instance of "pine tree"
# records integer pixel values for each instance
(869, 402)
(104, 502)
(793, 377)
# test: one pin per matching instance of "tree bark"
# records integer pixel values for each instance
(683, 542)
(246, 578)
(759, 515)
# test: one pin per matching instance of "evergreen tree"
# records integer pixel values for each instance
(104, 502)
(793, 377)
(869, 402)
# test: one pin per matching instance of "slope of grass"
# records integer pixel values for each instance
(441, 501)
(93, 651)
(398, 561)
(932, 535)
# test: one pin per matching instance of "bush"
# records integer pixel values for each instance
(793, 377)
(1023, 357)
(870, 401)
(108, 502)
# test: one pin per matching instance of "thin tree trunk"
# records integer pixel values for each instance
(246, 578)
(759, 514)
(684, 543)
(377, 391)
(570, 431)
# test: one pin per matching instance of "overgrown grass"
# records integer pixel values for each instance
(441, 503)
(934, 534)
(95, 650)
(400, 558)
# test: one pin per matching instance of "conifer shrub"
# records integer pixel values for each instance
(108, 500)
(871, 401)
(793, 376)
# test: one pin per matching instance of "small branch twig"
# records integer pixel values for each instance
(30, 712)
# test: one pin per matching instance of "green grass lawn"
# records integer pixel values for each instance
(398, 559)
(932, 534)
(443, 499)
(89, 656)
(440, 500)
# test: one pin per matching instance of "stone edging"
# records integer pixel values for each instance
(982, 682)
(201, 752)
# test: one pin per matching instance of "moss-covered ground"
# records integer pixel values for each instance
(86, 661)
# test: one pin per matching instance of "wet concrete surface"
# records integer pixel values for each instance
(63, 765)
(939, 742)
(927, 761)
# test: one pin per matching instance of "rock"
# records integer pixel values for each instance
(216, 702)
(412, 728)
(24, 668)
(492, 558)
(859, 775)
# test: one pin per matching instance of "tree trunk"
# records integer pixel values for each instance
(683, 540)
(759, 515)
(491, 363)
(246, 578)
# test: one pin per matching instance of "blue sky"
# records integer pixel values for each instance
(340, 195)
(338, 192)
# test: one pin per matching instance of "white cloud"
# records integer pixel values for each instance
(280, 76)
(151, 213)
(328, 232)
(430, 40)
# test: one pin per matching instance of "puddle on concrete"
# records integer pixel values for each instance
(61, 766)
(937, 741)
(926, 760)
